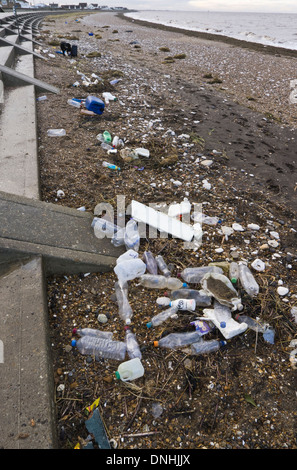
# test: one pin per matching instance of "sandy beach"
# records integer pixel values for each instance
(221, 131)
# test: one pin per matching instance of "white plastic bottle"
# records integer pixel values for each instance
(130, 370)
(100, 347)
(248, 281)
(162, 316)
(162, 266)
(206, 347)
(133, 349)
(129, 269)
(74, 103)
(125, 310)
(152, 281)
(194, 275)
(177, 340)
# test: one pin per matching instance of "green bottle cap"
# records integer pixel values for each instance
(117, 374)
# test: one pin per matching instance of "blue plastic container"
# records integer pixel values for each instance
(94, 104)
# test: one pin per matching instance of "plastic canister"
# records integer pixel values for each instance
(94, 104)
(130, 370)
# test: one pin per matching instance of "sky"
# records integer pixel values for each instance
(272, 6)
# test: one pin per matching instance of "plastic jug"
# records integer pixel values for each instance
(130, 370)
(94, 104)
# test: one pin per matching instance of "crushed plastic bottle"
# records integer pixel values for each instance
(206, 347)
(125, 310)
(194, 275)
(100, 347)
(130, 370)
(162, 266)
(56, 132)
(152, 281)
(132, 237)
(221, 288)
(158, 319)
(129, 269)
(234, 272)
(151, 264)
(92, 332)
(201, 298)
(104, 228)
(248, 281)
(74, 103)
(128, 255)
(177, 340)
(133, 349)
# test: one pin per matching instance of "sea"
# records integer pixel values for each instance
(273, 29)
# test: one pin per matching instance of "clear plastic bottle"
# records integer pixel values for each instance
(153, 281)
(151, 264)
(56, 132)
(162, 266)
(234, 272)
(201, 298)
(205, 347)
(92, 332)
(130, 370)
(184, 304)
(111, 166)
(129, 269)
(132, 237)
(100, 348)
(74, 103)
(177, 340)
(251, 323)
(128, 255)
(104, 228)
(133, 348)
(125, 309)
(248, 281)
(194, 275)
(119, 237)
(162, 316)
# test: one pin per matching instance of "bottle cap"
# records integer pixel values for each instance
(185, 284)
(156, 344)
(73, 343)
(149, 324)
(74, 331)
(117, 374)
(166, 294)
(233, 280)
(178, 275)
(223, 324)
(126, 327)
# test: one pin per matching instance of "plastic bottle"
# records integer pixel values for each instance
(194, 275)
(162, 316)
(177, 340)
(129, 269)
(115, 141)
(251, 323)
(100, 347)
(92, 332)
(119, 237)
(233, 272)
(125, 310)
(155, 281)
(104, 228)
(130, 370)
(111, 166)
(132, 237)
(151, 264)
(108, 97)
(221, 288)
(201, 298)
(248, 281)
(106, 137)
(162, 266)
(133, 348)
(205, 347)
(74, 103)
(184, 304)
(41, 98)
(56, 132)
(128, 255)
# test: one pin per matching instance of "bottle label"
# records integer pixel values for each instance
(184, 304)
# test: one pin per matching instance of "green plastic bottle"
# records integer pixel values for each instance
(106, 137)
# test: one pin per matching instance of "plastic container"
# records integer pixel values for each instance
(104, 228)
(106, 137)
(248, 281)
(177, 340)
(129, 269)
(151, 264)
(233, 272)
(221, 288)
(94, 104)
(251, 323)
(206, 347)
(130, 370)
(111, 166)
(108, 97)
(176, 210)
(194, 275)
(125, 310)
(56, 132)
(133, 348)
(92, 332)
(132, 237)
(155, 281)
(74, 103)
(119, 237)
(221, 317)
(100, 348)
(162, 266)
(184, 304)
(202, 299)
(128, 255)
(162, 316)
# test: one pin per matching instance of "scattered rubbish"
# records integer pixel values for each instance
(56, 132)
(130, 370)
(108, 97)
(206, 347)
(221, 288)
(92, 332)
(111, 166)
(177, 340)
(41, 98)
(124, 309)
(150, 261)
(74, 102)
(132, 237)
(293, 359)
(248, 281)
(183, 208)
(129, 269)
(195, 275)
(142, 152)
(60, 193)
(161, 317)
(163, 266)
(221, 317)
(184, 304)
(100, 347)
(155, 281)
(202, 326)
(157, 410)
(133, 348)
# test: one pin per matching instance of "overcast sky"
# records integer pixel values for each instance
(274, 6)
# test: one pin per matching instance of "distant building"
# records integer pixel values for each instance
(82, 6)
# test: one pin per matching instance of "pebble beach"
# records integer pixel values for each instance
(221, 130)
